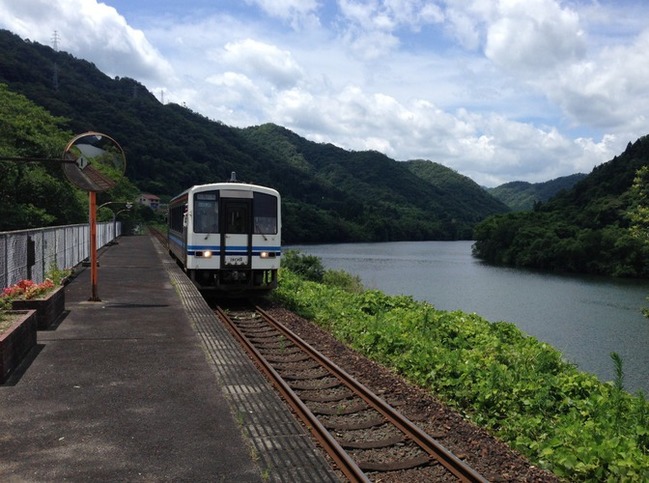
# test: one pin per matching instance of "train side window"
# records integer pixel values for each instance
(265, 214)
(206, 212)
(176, 217)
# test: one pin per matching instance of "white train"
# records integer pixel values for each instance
(227, 236)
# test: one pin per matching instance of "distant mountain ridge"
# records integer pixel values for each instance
(329, 194)
(598, 226)
(522, 196)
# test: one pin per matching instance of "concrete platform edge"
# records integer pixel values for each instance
(281, 446)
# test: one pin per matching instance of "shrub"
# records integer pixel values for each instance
(307, 266)
(343, 280)
(519, 388)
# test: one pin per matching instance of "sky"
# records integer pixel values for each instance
(498, 90)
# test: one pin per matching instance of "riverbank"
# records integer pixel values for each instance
(512, 384)
(586, 317)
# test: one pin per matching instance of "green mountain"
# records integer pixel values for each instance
(523, 196)
(329, 194)
(599, 226)
(449, 183)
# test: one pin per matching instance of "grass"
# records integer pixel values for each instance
(5, 323)
(517, 387)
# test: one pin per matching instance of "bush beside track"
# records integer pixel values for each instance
(517, 387)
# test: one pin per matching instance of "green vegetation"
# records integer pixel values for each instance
(329, 194)
(37, 194)
(523, 196)
(515, 386)
(310, 267)
(58, 275)
(596, 227)
(448, 183)
(33, 194)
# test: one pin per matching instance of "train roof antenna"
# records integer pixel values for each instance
(233, 176)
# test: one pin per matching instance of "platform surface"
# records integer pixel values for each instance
(146, 385)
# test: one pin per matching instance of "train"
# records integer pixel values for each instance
(227, 236)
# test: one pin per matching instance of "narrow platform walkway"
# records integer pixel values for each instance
(146, 385)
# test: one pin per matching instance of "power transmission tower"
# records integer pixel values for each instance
(55, 79)
(55, 41)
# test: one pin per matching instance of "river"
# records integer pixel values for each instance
(586, 318)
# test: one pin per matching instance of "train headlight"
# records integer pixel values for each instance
(267, 255)
(207, 254)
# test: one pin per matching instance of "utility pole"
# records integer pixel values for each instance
(55, 41)
(55, 79)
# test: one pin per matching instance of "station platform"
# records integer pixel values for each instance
(146, 385)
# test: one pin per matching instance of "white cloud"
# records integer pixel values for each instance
(534, 36)
(610, 90)
(371, 26)
(89, 30)
(263, 61)
(497, 89)
(388, 15)
(299, 13)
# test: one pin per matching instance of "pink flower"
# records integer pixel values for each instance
(27, 289)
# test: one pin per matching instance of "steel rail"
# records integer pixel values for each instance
(342, 459)
(435, 450)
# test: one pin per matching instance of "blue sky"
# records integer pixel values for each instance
(499, 90)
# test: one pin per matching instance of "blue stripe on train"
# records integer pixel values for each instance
(256, 251)
(231, 250)
(242, 248)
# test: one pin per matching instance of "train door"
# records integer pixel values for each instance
(236, 233)
(185, 212)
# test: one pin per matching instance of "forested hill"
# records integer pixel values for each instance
(599, 226)
(329, 194)
(375, 192)
(522, 196)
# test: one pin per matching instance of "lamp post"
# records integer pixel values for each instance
(128, 207)
(128, 204)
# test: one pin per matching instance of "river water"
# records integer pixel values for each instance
(586, 318)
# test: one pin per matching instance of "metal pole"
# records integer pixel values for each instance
(128, 207)
(93, 245)
(114, 228)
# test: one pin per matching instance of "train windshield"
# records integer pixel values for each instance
(206, 212)
(265, 214)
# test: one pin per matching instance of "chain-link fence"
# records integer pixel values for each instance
(32, 254)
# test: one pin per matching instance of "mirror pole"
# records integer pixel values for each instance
(93, 245)
(92, 166)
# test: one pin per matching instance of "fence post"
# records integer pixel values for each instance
(31, 255)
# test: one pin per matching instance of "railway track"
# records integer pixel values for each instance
(158, 235)
(367, 439)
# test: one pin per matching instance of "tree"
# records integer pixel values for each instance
(638, 213)
(33, 194)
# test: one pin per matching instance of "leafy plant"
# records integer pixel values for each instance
(308, 266)
(58, 275)
(514, 385)
(5, 304)
(342, 280)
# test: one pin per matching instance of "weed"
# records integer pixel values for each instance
(514, 385)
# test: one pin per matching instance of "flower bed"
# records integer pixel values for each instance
(16, 340)
(48, 307)
(47, 299)
(27, 289)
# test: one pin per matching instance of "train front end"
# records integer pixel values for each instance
(233, 237)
